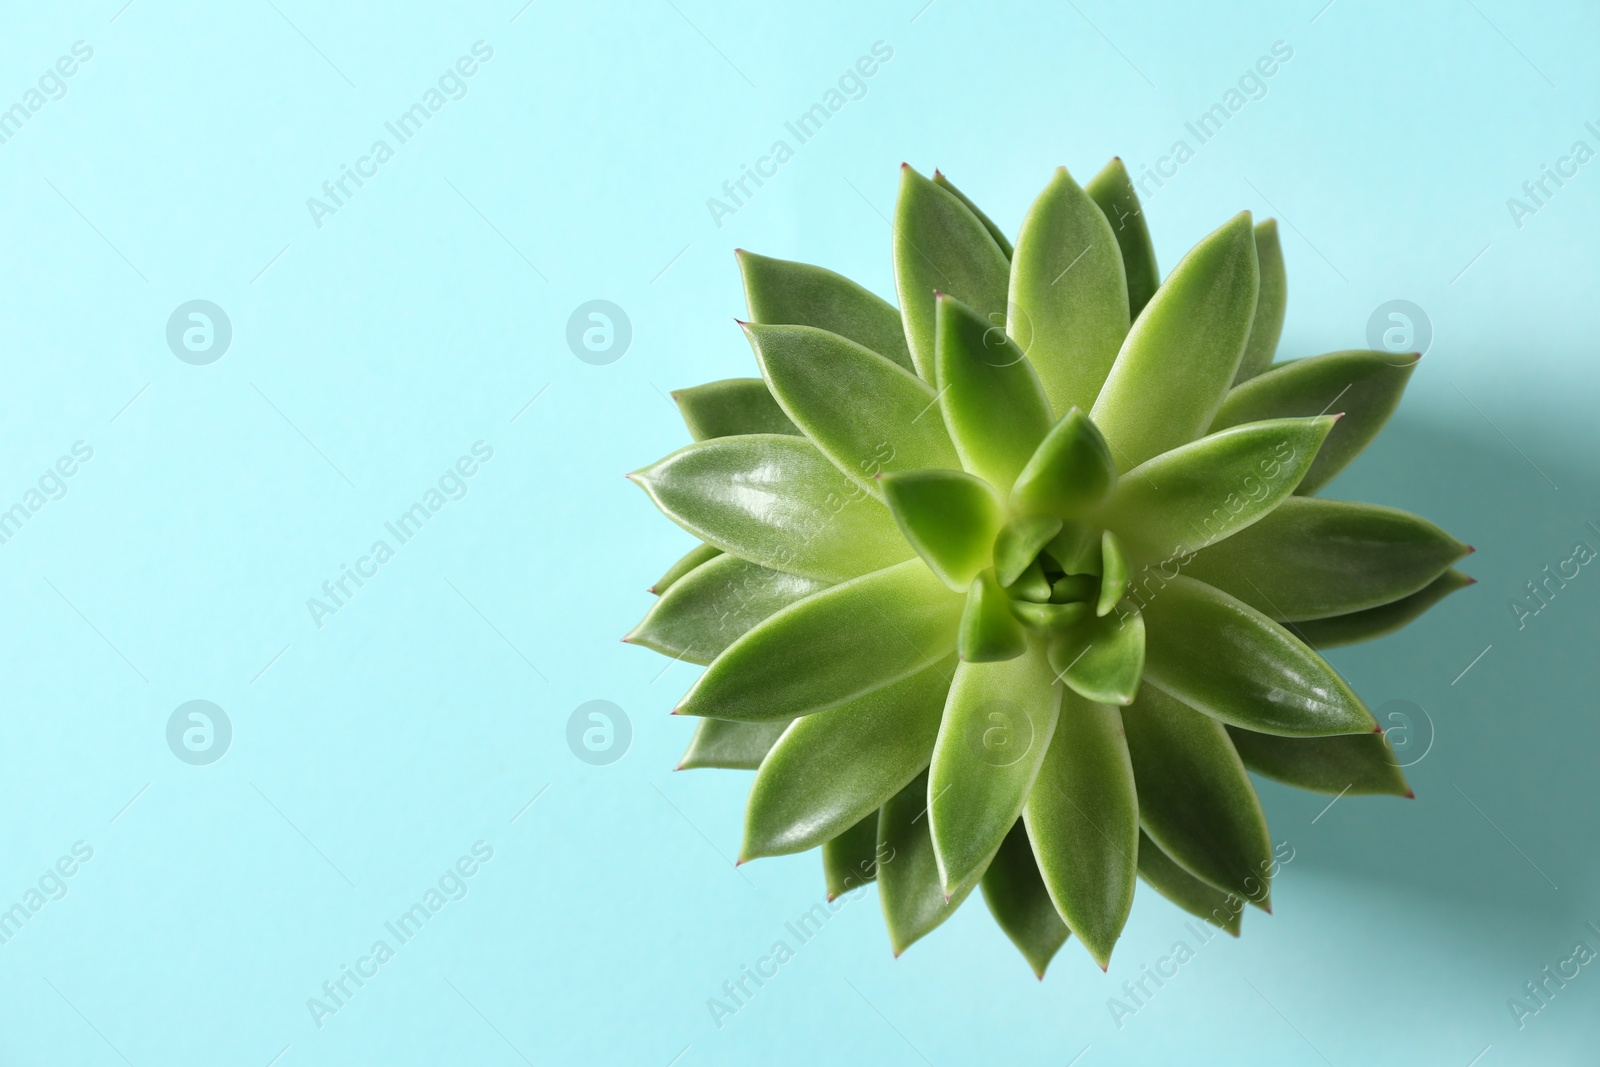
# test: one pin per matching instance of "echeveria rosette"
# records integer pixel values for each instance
(1009, 587)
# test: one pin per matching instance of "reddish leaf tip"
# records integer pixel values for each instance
(1411, 794)
(1471, 580)
(937, 173)
(1337, 416)
(1377, 729)
(905, 166)
(1470, 550)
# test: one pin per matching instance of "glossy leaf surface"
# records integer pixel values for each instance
(1181, 354)
(1069, 296)
(997, 726)
(1019, 544)
(1365, 386)
(1314, 558)
(1113, 193)
(1070, 474)
(1162, 873)
(992, 402)
(1376, 622)
(950, 518)
(1101, 657)
(709, 608)
(737, 746)
(776, 501)
(1271, 302)
(688, 562)
(1114, 573)
(1228, 660)
(913, 898)
(998, 234)
(863, 411)
(850, 860)
(731, 408)
(940, 245)
(1083, 817)
(829, 770)
(1350, 763)
(782, 292)
(1195, 799)
(1021, 904)
(831, 648)
(989, 632)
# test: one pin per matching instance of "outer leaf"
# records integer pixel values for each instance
(1351, 763)
(1019, 902)
(781, 292)
(689, 561)
(1195, 799)
(1071, 473)
(712, 606)
(1271, 300)
(864, 412)
(1069, 296)
(1083, 818)
(1162, 873)
(997, 726)
(1377, 622)
(1113, 575)
(949, 517)
(1101, 657)
(1314, 558)
(993, 405)
(730, 408)
(1203, 492)
(850, 860)
(914, 900)
(736, 746)
(939, 244)
(1366, 386)
(776, 501)
(831, 648)
(1181, 355)
(1114, 195)
(828, 771)
(1230, 661)
(989, 633)
(994, 231)
(1019, 544)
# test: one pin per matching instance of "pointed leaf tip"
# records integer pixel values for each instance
(1411, 794)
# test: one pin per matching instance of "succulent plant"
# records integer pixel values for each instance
(1009, 587)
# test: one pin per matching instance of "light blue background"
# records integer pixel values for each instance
(369, 353)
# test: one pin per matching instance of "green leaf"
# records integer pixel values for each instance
(939, 244)
(949, 517)
(914, 900)
(997, 725)
(1182, 352)
(1202, 492)
(784, 293)
(1361, 764)
(1271, 299)
(864, 412)
(1072, 588)
(829, 770)
(850, 860)
(1114, 195)
(1069, 296)
(1162, 873)
(734, 746)
(1083, 818)
(831, 648)
(1366, 386)
(776, 501)
(1230, 661)
(1071, 472)
(690, 560)
(1195, 799)
(1376, 622)
(989, 633)
(730, 408)
(1019, 544)
(1021, 904)
(992, 402)
(1051, 618)
(1101, 657)
(1313, 558)
(1031, 584)
(994, 231)
(1077, 548)
(712, 606)
(1114, 573)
